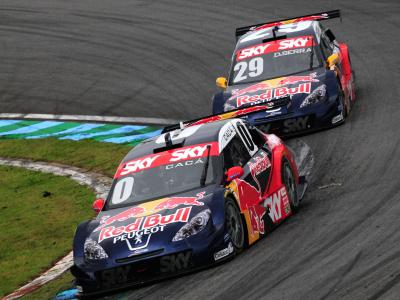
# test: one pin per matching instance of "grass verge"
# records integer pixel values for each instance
(87, 154)
(38, 213)
(28, 209)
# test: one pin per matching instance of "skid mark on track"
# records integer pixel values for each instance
(342, 275)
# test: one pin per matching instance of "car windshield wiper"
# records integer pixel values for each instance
(312, 54)
(205, 169)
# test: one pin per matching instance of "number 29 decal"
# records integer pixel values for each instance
(253, 68)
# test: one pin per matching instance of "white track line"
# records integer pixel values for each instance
(99, 183)
(85, 118)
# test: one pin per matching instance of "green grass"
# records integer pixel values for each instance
(36, 230)
(90, 155)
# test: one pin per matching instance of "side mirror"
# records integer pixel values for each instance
(233, 173)
(221, 82)
(330, 35)
(332, 60)
(98, 205)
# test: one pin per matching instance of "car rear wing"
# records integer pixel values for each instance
(313, 17)
(236, 113)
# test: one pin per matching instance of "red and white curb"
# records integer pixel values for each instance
(99, 183)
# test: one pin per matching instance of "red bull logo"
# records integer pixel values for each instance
(264, 85)
(296, 79)
(123, 216)
(172, 203)
(143, 223)
(137, 211)
(273, 94)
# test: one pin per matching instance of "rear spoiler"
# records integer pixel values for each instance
(236, 113)
(313, 17)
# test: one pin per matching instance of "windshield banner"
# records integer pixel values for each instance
(274, 46)
(166, 157)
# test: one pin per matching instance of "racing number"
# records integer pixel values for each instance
(256, 67)
(246, 138)
(122, 190)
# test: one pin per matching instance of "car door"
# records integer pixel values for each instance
(242, 151)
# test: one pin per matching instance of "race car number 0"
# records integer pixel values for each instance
(255, 68)
(122, 190)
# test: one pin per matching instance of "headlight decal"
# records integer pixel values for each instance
(93, 251)
(194, 226)
(319, 94)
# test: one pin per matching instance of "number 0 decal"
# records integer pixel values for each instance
(122, 190)
(246, 138)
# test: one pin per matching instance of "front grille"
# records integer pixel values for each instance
(139, 256)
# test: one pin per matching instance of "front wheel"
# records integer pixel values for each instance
(290, 184)
(234, 225)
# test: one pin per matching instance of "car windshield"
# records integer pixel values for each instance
(273, 59)
(162, 176)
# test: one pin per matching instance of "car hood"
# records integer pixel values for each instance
(296, 86)
(148, 226)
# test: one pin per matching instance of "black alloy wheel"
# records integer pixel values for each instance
(290, 184)
(234, 225)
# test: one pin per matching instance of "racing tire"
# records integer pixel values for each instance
(234, 225)
(289, 181)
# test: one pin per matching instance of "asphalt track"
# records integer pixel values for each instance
(160, 59)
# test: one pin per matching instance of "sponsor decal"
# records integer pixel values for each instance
(303, 88)
(257, 219)
(260, 163)
(273, 112)
(274, 203)
(172, 203)
(337, 118)
(226, 134)
(295, 124)
(142, 223)
(224, 252)
(273, 46)
(138, 211)
(269, 84)
(140, 239)
(155, 160)
(184, 164)
(296, 79)
(114, 277)
(290, 52)
(175, 262)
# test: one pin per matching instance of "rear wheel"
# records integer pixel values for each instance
(234, 224)
(290, 184)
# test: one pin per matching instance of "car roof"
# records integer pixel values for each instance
(192, 135)
(306, 28)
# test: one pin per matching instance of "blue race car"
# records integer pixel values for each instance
(295, 66)
(184, 200)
